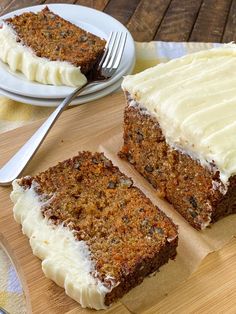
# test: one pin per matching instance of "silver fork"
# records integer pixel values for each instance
(107, 67)
(2, 311)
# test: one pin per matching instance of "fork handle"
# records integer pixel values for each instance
(13, 168)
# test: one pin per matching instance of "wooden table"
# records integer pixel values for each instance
(212, 289)
(168, 20)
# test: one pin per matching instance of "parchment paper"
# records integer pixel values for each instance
(193, 245)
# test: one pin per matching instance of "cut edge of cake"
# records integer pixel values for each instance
(143, 91)
(156, 98)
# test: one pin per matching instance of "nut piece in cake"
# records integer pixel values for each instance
(179, 132)
(48, 49)
(98, 236)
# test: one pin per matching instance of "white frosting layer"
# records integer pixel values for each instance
(194, 101)
(21, 58)
(65, 260)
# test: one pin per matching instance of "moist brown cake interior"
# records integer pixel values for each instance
(52, 37)
(176, 176)
(127, 235)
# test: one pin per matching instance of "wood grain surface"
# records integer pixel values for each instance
(211, 289)
(167, 20)
(65, 139)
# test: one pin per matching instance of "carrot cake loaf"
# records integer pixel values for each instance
(97, 235)
(179, 132)
(48, 49)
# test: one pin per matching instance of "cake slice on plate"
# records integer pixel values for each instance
(179, 132)
(48, 49)
(97, 235)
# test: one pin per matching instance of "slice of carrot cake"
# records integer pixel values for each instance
(97, 234)
(48, 49)
(179, 132)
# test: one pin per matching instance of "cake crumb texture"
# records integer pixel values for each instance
(195, 191)
(127, 235)
(51, 37)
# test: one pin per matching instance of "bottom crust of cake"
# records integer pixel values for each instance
(196, 192)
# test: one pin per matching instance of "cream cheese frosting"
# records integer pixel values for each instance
(21, 58)
(65, 260)
(194, 101)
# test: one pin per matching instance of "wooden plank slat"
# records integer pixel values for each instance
(179, 20)
(211, 21)
(95, 4)
(122, 10)
(16, 4)
(3, 5)
(147, 18)
(59, 1)
(230, 28)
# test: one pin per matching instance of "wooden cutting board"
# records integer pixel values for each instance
(212, 289)
(71, 134)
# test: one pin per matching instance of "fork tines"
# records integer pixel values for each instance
(113, 53)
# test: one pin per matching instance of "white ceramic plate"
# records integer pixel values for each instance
(91, 20)
(45, 102)
(55, 102)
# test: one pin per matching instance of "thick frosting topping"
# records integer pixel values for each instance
(21, 58)
(194, 101)
(65, 260)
